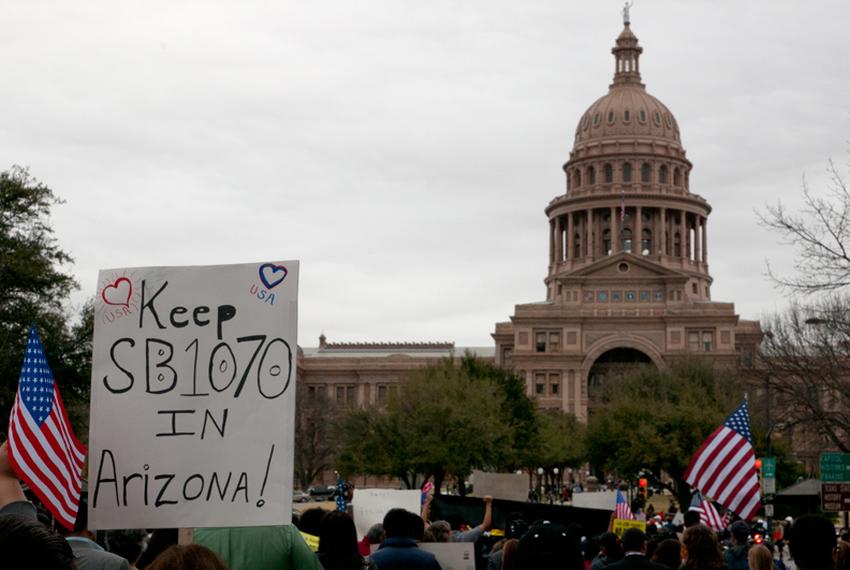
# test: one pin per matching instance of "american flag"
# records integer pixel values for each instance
(724, 466)
(707, 513)
(42, 448)
(622, 510)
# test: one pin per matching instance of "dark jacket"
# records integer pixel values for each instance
(636, 562)
(736, 558)
(403, 554)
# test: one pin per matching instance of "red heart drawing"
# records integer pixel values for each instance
(118, 293)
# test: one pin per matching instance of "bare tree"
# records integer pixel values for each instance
(314, 442)
(804, 363)
(820, 236)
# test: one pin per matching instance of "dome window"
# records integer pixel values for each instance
(662, 175)
(645, 173)
(609, 174)
(577, 177)
(585, 122)
(595, 120)
(677, 177)
(669, 120)
(642, 117)
(656, 118)
(610, 117)
(627, 172)
(591, 175)
(627, 117)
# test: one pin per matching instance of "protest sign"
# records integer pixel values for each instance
(621, 525)
(452, 555)
(507, 486)
(193, 396)
(368, 506)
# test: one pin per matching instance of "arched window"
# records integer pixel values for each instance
(606, 241)
(646, 242)
(645, 173)
(662, 175)
(627, 172)
(677, 177)
(609, 174)
(591, 175)
(677, 245)
(577, 245)
(627, 240)
(577, 177)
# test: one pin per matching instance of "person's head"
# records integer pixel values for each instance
(310, 520)
(399, 523)
(187, 557)
(842, 559)
(128, 544)
(609, 546)
(760, 558)
(30, 544)
(633, 540)
(812, 542)
(691, 518)
(740, 532)
(515, 526)
(81, 524)
(547, 546)
(337, 535)
(668, 553)
(376, 534)
(700, 549)
(441, 531)
(509, 554)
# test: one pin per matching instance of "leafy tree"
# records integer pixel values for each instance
(656, 420)
(441, 421)
(562, 439)
(34, 289)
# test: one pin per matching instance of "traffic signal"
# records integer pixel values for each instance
(758, 464)
(642, 484)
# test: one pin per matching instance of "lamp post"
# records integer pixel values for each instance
(557, 481)
(540, 472)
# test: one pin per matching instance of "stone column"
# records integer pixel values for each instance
(698, 238)
(637, 237)
(683, 236)
(559, 240)
(570, 253)
(551, 242)
(588, 230)
(705, 240)
(662, 226)
(615, 232)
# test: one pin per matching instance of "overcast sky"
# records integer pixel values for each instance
(403, 151)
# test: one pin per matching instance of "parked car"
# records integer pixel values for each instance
(322, 492)
(300, 497)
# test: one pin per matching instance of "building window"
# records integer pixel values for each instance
(591, 175)
(554, 384)
(311, 393)
(606, 241)
(610, 117)
(507, 352)
(554, 342)
(577, 245)
(383, 393)
(662, 175)
(595, 120)
(577, 177)
(588, 296)
(677, 177)
(646, 242)
(609, 173)
(645, 173)
(641, 117)
(626, 116)
(602, 296)
(540, 384)
(630, 296)
(627, 240)
(616, 296)
(540, 342)
(644, 296)
(659, 295)
(700, 340)
(656, 118)
(627, 172)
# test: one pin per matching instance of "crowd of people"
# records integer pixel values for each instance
(327, 540)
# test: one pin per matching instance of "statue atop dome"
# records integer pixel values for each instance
(626, 19)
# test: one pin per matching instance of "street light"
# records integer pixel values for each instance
(540, 472)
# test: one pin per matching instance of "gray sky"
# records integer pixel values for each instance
(403, 151)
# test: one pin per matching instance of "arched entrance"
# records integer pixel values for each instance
(611, 364)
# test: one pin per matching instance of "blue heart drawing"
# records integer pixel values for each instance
(268, 277)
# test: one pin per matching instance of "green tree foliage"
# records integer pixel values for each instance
(562, 440)
(655, 420)
(34, 289)
(443, 420)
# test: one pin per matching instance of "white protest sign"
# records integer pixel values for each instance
(507, 486)
(452, 555)
(193, 396)
(602, 500)
(370, 505)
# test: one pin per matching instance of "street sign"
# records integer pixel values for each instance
(835, 467)
(768, 510)
(769, 486)
(768, 467)
(835, 496)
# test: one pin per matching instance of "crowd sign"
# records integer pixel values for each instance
(621, 525)
(193, 396)
(368, 506)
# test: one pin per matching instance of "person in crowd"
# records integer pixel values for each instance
(813, 543)
(590, 550)
(338, 544)
(842, 559)
(399, 550)
(668, 553)
(188, 557)
(691, 518)
(634, 553)
(375, 535)
(128, 544)
(311, 520)
(159, 539)
(259, 547)
(88, 554)
(515, 527)
(548, 546)
(508, 557)
(759, 557)
(24, 541)
(700, 550)
(736, 556)
(453, 530)
(610, 551)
